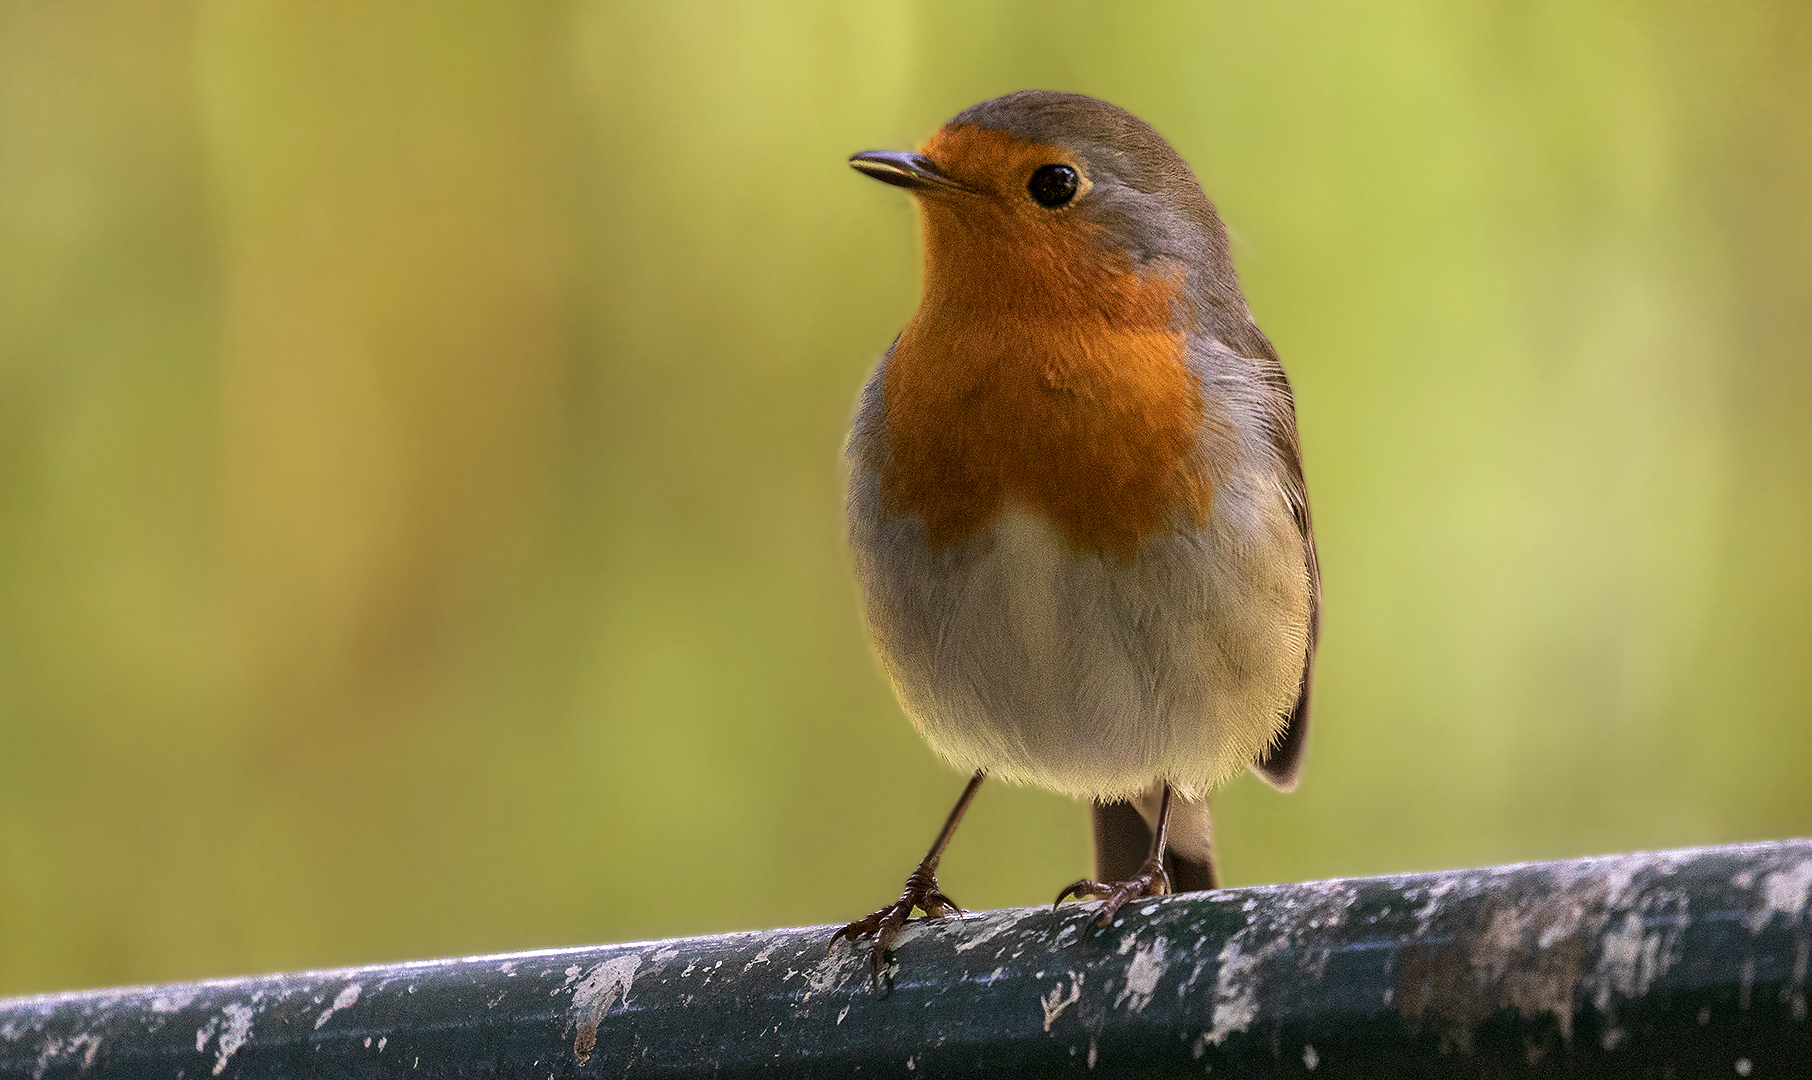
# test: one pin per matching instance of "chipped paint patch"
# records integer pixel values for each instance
(1784, 892)
(1630, 959)
(1236, 986)
(1057, 1000)
(344, 999)
(1435, 893)
(604, 985)
(90, 1045)
(1195, 973)
(997, 925)
(235, 1027)
(1142, 976)
(762, 957)
(1601, 927)
(86, 1044)
(831, 973)
(175, 999)
(51, 1049)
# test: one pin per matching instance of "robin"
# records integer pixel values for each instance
(1076, 499)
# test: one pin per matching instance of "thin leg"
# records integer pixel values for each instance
(1151, 880)
(921, 892)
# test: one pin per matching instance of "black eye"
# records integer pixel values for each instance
(1054, 185)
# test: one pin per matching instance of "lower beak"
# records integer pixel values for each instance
(914, 172)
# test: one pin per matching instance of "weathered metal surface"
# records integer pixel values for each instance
(1680, 964)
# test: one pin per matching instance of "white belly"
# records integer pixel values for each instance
(1088, 674)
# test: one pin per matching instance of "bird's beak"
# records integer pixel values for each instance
(914, 172)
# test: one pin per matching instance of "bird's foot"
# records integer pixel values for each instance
(1151, 880)
(921, 892)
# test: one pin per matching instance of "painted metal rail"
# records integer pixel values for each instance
(1675, 964)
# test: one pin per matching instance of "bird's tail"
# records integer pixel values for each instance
(1123, 833)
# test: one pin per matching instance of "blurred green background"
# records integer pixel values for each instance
(420, 524)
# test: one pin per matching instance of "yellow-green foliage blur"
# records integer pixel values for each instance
(420, 523)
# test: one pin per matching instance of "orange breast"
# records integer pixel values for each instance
(1041, 370)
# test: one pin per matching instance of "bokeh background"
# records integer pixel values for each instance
(420, 523)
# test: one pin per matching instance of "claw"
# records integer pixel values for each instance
(857, 929)
(937, 906)
(1081, 889)
(1151, 880)
(885, 924)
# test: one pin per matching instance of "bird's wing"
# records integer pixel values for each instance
(1280, 764)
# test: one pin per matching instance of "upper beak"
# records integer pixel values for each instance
(902, 169)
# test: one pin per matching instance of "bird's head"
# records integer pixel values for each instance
(1028, 200)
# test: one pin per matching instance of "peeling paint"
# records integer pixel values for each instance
(832, 973)
(235, 1032)
(344, 999)
(1426, 914)
(1236, 987)
(1784, 892)
(89, 1045)
(603, 986)
(1057, 1000)
(761, 957)
(1630, 959)
(51, 1049)
(996, 927)
(1142, 976)
(173, 1000)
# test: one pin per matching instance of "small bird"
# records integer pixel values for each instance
(1076, 500)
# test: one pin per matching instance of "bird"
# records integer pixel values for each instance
(1075, 497)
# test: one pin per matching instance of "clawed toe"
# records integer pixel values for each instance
(862, 927)
(1151, 880)
(922, 893)
(1081, 889)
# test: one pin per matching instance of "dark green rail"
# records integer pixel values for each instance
(1676, 964)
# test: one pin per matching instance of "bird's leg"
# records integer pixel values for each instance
(921, 892)
(1151, 880)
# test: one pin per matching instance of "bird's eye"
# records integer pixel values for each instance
(1053, 185)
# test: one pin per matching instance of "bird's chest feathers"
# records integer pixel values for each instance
(1056, 384)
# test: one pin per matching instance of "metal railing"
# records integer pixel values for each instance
(1674, 964)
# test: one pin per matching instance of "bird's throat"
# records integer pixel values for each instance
(1050, 378)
